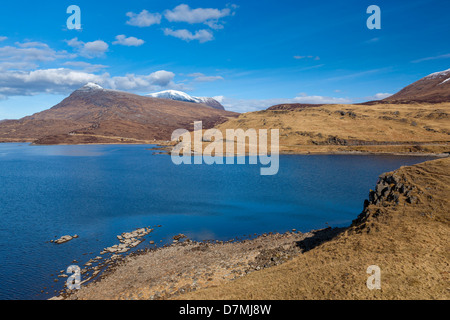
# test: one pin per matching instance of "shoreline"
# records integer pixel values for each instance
(216, 262)
(162, 148)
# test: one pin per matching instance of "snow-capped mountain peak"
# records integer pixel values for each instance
(174, 95)
(182, 96)
(90, 86)
(438, 74)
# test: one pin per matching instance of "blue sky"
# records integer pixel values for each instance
(249, 54)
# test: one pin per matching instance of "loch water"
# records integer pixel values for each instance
(101, 191)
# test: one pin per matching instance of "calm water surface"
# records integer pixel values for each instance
(100, 191)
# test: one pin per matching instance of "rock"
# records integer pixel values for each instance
(65, 239)
(412, 199)
(180, 236)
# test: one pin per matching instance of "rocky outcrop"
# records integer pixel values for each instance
(64, 239)
(128, 240)
(390, 189)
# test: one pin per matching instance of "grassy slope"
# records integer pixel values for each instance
(409, 242)
(381, 128)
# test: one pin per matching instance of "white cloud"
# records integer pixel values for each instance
(321, 100)
(28, 55)
(378, 96)
(65, 80)
(200, 77)
(209, 16)
(155, 80)
(129, 42)
(89, 50)
(44, 81)
(31, 51)
(2, 38)
(21, 74)
(183, 34)
(196, 74)
(143, 19)
(95, 48)
(17, 65)
(219, 98)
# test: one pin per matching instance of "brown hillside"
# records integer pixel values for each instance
(379, 128)
(98, 115)
(434, 88)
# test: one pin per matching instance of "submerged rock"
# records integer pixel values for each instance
(64, 239)
(128, 240)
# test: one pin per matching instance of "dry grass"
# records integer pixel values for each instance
(382, 128)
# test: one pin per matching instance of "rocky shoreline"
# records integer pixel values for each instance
(185, 265)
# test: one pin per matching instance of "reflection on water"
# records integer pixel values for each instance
(69, 151)
(100, 191)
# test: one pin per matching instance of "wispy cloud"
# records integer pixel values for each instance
(306, 57)
(373, 40)
(200, 77)
(442, 56)
(85, 66)
(358, 74)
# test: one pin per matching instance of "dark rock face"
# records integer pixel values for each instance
(388, 191)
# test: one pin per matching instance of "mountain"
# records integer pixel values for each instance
(93, 114)
(433, 88)
(182, 96)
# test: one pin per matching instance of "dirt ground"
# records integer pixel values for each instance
(188, 266)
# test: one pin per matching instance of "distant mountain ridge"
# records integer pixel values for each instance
(182, 96)
(433, 88)
(93, 114)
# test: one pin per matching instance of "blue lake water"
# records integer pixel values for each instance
(100, 191)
